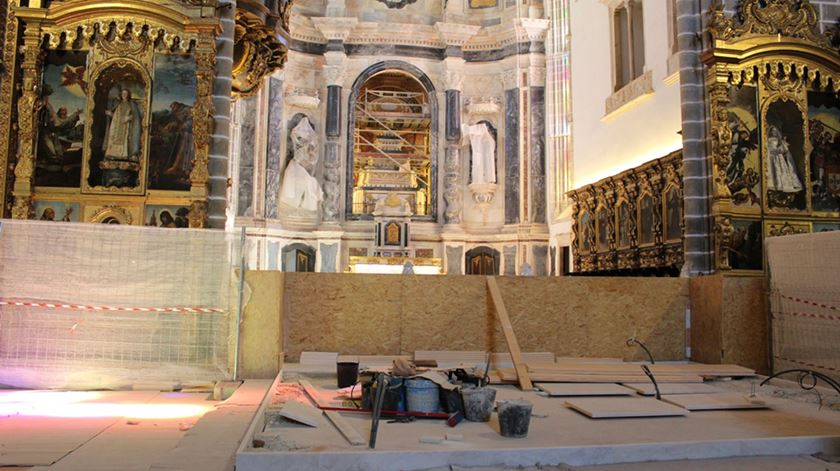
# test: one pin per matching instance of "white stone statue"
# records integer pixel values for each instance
(300, 188)
(782, 167)
(483, 152)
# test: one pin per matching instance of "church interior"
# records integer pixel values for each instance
(245, 234)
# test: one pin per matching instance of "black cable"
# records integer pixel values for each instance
(632, 340)
(652, 380)
(814, 376)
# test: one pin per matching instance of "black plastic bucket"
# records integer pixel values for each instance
(347, 372)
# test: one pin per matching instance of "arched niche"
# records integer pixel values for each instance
(672, 209)
(646, 218)
(400, 119)
(117, 138)
(495, 134)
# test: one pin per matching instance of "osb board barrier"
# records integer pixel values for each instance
(391, 315)
(260, 355)
(729, 321)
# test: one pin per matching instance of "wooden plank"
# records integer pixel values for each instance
(621, 407)
(508, 375)
(300, 412)
(346, 430)
(344, 427)
(584, 389)
(510, 337)
(646, 389)
(719, 401)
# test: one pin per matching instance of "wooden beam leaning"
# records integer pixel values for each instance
(510, 338)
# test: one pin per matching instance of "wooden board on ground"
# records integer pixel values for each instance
(470, 357)
(584, 389)
(504, 358)
(344, 427)
(622, 407)
(646, 389)
(718, 401)
(508, 375)
(318, 358)
(300, 412)
(510, 338)
(691, 369)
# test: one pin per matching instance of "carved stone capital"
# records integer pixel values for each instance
(456, 34)
(536, 76)
(510, 79)
(452, 79)
(335, 28)
(334, 75)
(530, 29)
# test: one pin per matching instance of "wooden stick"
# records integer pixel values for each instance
(346, 430)
(510, 337)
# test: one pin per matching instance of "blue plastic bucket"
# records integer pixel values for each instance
(422, 395)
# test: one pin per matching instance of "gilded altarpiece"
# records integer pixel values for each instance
(773, 84)
(114, 114)
(631, 221)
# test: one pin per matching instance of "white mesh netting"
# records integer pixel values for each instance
(107, 306)
(805, 302)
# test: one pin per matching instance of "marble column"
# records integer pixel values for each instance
(512, 167)
(336, 29)
(452, 165)
(332, 161)
(537, 145)
(273, 145)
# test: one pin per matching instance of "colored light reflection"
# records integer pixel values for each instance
(77, 404)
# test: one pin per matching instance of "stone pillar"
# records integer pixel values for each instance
(335, 29)
(452, 183)
(536, 168)
(220, 143)
(274, 143)
(454, 36)
(512, 177)
(334, 75)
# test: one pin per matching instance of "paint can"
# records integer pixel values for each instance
(347, 372)
(422, 395)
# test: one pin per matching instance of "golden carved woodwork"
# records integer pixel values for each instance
(257, 50)
(125, 36)
(777, 47)
(783, 228)
(653, 179)
(777, 17)
(112, 214)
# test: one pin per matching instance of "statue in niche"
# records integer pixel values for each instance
(122, 138)
(300, 188)
(483, 153)
(783, 174)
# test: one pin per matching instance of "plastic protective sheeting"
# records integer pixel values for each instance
(107, 306)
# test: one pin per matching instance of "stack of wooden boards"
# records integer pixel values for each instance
(570, 371)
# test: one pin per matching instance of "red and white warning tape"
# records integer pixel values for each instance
(813, 316)
(85, 307)
(811, 303)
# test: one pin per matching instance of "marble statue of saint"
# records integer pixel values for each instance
(300, 188)
(782, 168)
(483, 153)
(122, 137)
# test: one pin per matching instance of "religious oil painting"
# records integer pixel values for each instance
(61, 120)
(584, 231)
(784, 162)
(118, 135)
(826, 227)
(57, 211)
(646, 220)
(673, 214)
(824, 161)
(745, 251)
(625, 225)
(743, 173)
(172, 149)
(167, 216)
(603, 241)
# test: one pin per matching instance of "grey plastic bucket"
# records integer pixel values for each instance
(478, 403)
